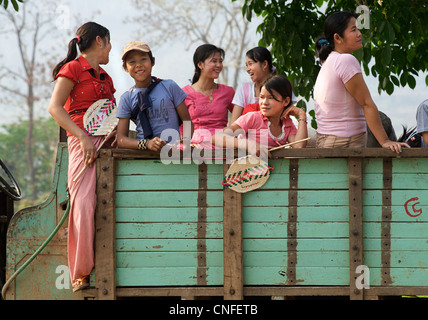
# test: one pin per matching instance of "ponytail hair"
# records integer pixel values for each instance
(85, 36)
(202, 53)
(280, 84)
(261, 54)
(335, 23)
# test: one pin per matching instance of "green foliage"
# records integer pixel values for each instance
(13, 154)
(395, 45)
(14, 3)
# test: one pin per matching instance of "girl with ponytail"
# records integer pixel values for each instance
(80, 81)
(343, 104)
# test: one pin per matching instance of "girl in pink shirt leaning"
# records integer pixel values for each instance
(269, 127)
(208, 102)
(343, 103)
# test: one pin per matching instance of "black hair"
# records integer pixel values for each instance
(335, 23)
(202, 53)
(261, 54)
(280, 84)
(87, 34)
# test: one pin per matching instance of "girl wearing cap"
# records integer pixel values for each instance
(209, 103)
(79, 83)
(155, 106)
(258, 63)
(272, 126)
(343, 103)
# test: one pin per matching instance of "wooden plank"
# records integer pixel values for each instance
(166, 199)
(305, 259)
(399, 259)
(398, 213)
(305, 276)
(167, 245)
(410, 277)
(317, 153)
(157, 182)
(273, 198)
(154, 167)
(295, 291)
(304, 214)
(183, 214)
(304, 230)
(356, 249)
(232, 242)
(105, 262)
(166, 230)
(314, 153)
(323, 245)
(408, 166)
(168, 259)
(170, 292)
(166, 276)
(398, 230)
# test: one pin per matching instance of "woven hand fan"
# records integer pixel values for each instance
(248, 173)
(99, 120)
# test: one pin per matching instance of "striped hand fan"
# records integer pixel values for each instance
(99, 120)
(248, 173)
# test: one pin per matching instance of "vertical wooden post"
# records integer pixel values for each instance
(386, 223)
(202, 226)
(355, 225)
(292, 222)
(232, 244)
(105, 232)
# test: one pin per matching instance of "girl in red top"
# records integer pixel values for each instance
(79, 83)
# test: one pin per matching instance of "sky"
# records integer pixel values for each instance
(173, 61)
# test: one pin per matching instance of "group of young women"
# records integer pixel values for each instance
(343, 107)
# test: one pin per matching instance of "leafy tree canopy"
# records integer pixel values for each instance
(5, 3)
(395, 38)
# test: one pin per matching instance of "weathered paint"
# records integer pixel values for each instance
(47, 276)
(296, 229)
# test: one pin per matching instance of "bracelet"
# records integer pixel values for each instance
(302, 120)
(142, 144)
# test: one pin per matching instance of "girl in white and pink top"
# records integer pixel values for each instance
(343, 103)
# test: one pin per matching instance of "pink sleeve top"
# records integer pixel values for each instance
(209, 113)
(256, 127)
(337, 112)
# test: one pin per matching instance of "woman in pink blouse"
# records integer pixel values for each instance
(343, 103)
(208, 102)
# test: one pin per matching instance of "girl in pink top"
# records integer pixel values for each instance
(343, 103)
(208, 102)
(271, 126)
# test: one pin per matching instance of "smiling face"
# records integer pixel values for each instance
(212, 66)
(351, 40)
(272, 104)
(258, 71)
(139, 66)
